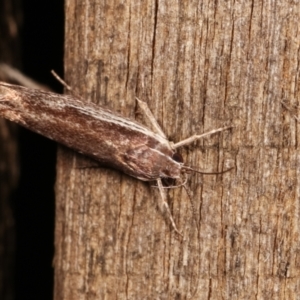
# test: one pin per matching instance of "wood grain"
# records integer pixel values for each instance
(198, 65)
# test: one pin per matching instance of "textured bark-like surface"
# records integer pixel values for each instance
(198, 65)
(9, 53)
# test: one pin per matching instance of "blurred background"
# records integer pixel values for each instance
(40, 34)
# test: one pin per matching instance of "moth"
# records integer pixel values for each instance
(99, 133)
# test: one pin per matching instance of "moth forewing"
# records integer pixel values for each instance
(95, 131)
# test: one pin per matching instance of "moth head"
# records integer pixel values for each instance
(172, 169)
(149, 164)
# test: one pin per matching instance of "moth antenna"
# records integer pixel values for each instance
(205, 173)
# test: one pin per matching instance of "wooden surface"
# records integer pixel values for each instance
(199, 66)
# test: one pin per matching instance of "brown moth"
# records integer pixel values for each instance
(99, 133)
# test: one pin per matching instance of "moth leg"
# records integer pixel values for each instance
(59, 79)
(65, 85)
(143, 105)
(165, 204)
(197, 137)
